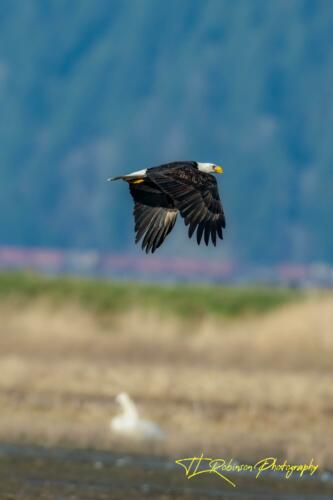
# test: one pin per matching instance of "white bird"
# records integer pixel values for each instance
(129, 424)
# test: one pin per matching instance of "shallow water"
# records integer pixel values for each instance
(57, 473)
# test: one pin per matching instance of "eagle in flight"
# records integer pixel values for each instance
(182, 187)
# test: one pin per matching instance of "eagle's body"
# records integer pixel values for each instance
(160, 193)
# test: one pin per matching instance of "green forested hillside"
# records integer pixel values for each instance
(93, 88)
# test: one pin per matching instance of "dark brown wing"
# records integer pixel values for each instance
(153, 224)
(198, 201)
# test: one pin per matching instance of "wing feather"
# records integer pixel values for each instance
(198, 202)
(153, 224)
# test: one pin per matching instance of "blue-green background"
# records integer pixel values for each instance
(91, 88)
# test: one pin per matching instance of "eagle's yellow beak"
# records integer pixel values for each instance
(218, 169)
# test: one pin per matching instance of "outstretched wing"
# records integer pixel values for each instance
(153, 224)
(198, 201)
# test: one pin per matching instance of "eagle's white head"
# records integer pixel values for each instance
(209, 168)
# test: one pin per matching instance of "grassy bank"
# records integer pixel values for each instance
(234, 382)
(187, 301)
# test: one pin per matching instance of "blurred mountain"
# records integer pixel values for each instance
(89, 89)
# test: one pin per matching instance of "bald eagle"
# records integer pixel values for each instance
(184, 187)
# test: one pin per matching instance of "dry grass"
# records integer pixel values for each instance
(243, 387)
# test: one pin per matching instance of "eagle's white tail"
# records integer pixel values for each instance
(128, 177)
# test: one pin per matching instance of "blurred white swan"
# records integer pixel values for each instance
(129, 424)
